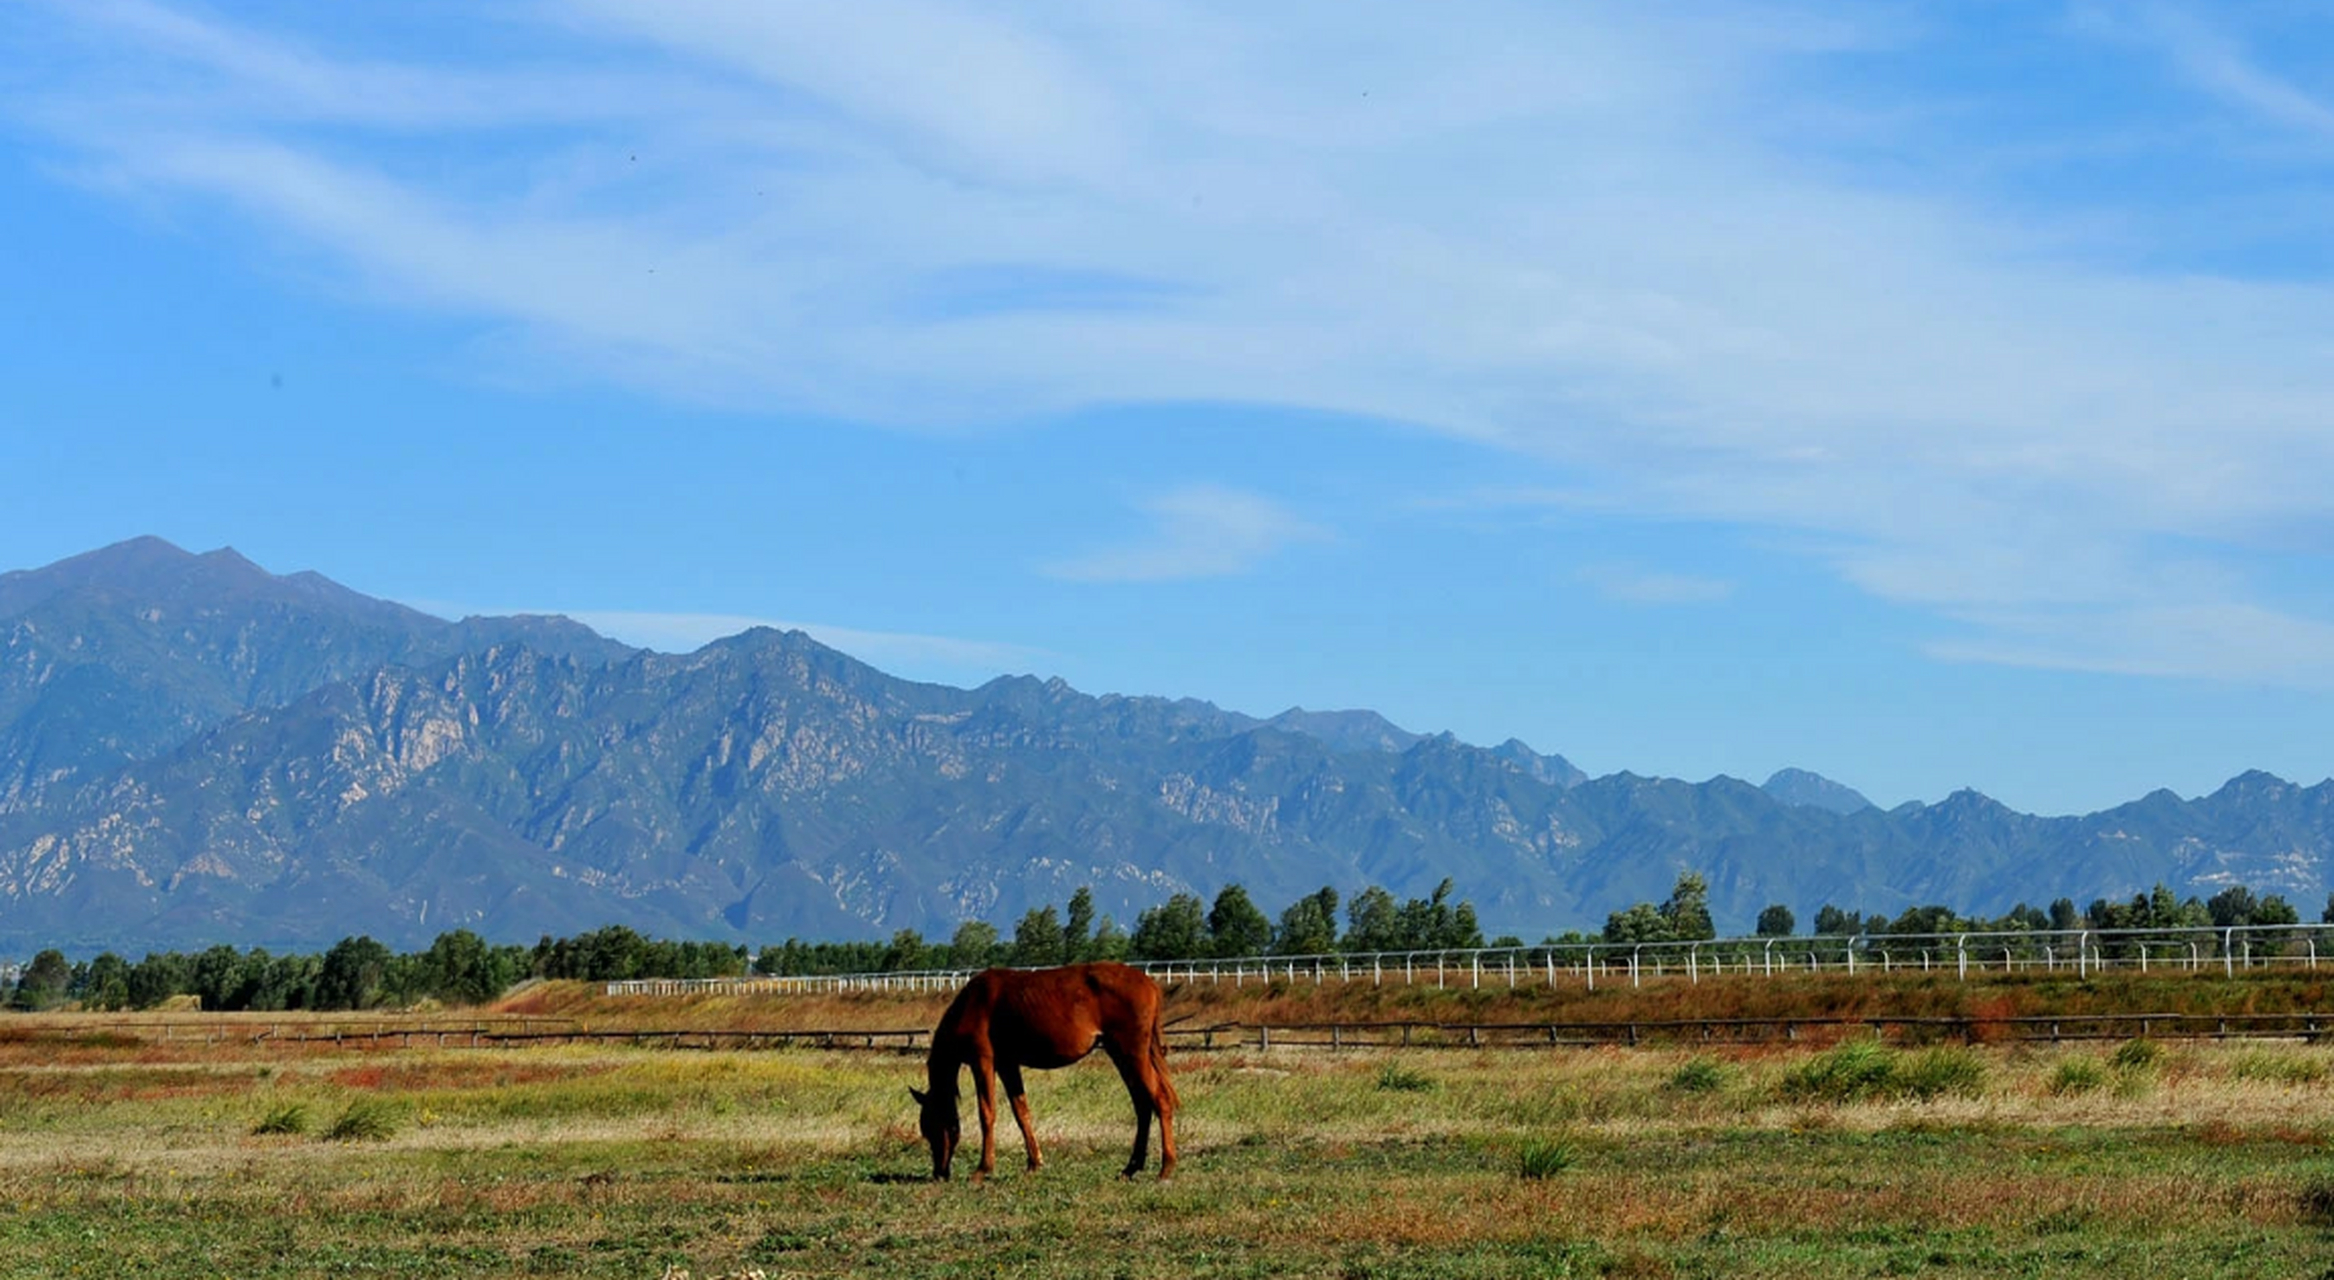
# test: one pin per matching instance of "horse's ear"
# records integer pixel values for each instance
(917, 1094)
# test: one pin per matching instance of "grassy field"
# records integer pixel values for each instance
(120, 1155)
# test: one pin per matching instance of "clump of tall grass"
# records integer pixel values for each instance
(2136, 1055)
(1393, 1077)
(1866, 1070)
(1545, 1158)
(291, 1117)
(2270, 1067)
(1937, 1073)
(2080, 1074)
(1698, 1074)
(364, 1121)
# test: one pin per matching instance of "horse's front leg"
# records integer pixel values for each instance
(1010, 1073)
(985, 1101)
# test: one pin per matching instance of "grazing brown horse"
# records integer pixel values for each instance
(1007, 1019)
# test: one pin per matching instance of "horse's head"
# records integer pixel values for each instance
(941, 1129)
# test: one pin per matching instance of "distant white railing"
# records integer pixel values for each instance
(2078, 951)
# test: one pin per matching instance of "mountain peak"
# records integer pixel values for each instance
(1346, 730)
(1803, 789)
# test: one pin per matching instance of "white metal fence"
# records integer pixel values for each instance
(2082, 952)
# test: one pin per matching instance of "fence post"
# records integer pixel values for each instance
(2228, 952)
(1961, 956)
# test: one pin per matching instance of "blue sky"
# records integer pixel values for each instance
(1928, 395)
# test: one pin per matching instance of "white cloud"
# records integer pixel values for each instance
(1570, 231)
(1200, 531)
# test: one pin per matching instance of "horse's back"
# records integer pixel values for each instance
(1053, 1017)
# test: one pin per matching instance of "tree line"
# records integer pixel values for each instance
(1685, 917)
(459, 967)
(1182, 928)
(360, 973)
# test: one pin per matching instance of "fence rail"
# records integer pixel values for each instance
(2083, 952)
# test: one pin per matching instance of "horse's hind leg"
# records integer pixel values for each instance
(1164, 1101)
(1131, 1069)
(1010, 1076)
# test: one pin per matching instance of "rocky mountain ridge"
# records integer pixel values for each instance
(194, 750)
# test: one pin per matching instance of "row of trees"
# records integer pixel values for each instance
(1182, 928)
(462, 968)
(1685, 916)
(360, 973)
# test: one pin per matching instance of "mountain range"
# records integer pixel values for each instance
(195, 750)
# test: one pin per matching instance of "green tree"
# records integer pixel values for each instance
(905, 952)
(1308, 926)
(109, 983)
(2234, 905)
(157, 978)
(1830, 920)
(1037, 940)
(1078, 927)
(1110, 941)
(1640, 923)
(1777, 922)
(1176, 929)
(1235, 926)
(459, 968)
(974, 945)
(1373, 922)
(1686, 912)
(352, 974)
(43, 983)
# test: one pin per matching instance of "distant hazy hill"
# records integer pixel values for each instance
(196, 750)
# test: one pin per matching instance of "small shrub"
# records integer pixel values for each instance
(1857, 1069)
(292, 1117)
(1396, 1078)
(364, 1121)
(1545, 1158)
(2077, 1075)
(2316, 1200)
(1935, 1073)
(2136, 1055)
(1698, 1074)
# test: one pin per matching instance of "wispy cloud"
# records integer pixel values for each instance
(1568, 231)
(1634, 584)
(2214, 61)
(1201, 531)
